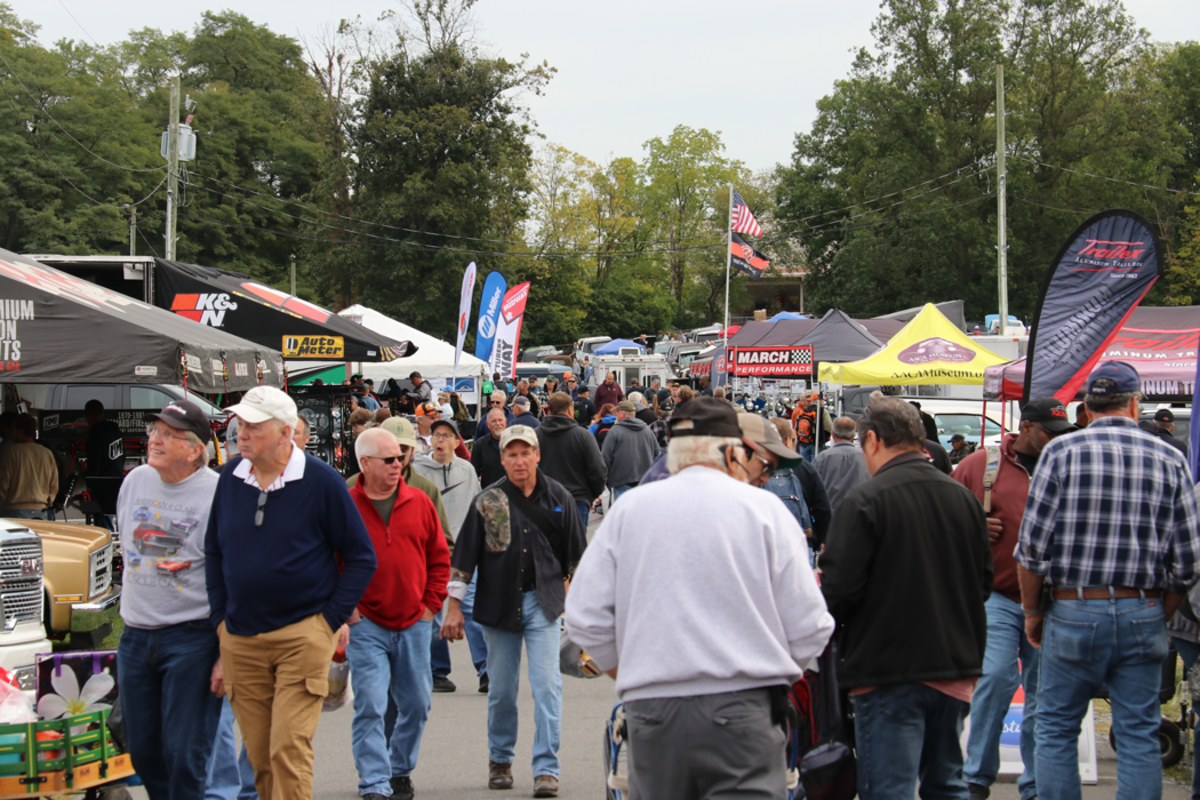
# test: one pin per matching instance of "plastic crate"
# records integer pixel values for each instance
(69, 763)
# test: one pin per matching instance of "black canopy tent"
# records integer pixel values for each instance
(55, 327)
(838, 338)
(247, 308)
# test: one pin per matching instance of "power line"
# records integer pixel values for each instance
(1106, 177)
(50, 116)
(77, 22)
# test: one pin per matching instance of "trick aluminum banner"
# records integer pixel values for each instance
(771, 362)
(464, 311)
(508, 332)
(489, 312)
(1096, 281)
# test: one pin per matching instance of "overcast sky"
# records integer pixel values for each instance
(628, 70)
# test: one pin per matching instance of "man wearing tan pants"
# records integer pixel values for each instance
(280, 522)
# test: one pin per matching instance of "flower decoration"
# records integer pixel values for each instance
(68, 701)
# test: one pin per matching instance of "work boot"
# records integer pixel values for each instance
(402, 788)
(978, 792)
(545, 786)
(442, 684)
(499, 775)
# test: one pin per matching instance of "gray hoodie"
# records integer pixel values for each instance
(457, 482)
(629, 450)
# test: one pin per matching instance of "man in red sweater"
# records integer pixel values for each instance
(608, 392)
(392, 625)
(1008, 468)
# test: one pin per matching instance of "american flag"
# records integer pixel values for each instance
(743, 220)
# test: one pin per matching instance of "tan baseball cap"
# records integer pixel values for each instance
(763, 433)
(519, 433)
(263, 403)
(402, 429)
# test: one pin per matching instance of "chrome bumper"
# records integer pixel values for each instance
(99, 605)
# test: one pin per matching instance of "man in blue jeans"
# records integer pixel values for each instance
(389, 631)
(167, 655)
(524, 536)
(998, 476)
(1111, 527)
(906, 570)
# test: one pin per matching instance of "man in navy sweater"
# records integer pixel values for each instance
(279, 524)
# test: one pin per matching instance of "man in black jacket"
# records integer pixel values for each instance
(906, 572)
(485, 455)
(570, 454)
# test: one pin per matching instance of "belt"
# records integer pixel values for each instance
(1105, 593)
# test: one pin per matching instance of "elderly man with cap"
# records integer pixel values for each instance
(906, 571)
(1164, 428)
(1111, 530)
(287, 560)
(421, 391)
(998, 476)
(166, 657)
(524, 536)
(523, 412)
(389, 631)
(730, 565)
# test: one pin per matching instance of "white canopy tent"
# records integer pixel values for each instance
(434, 358)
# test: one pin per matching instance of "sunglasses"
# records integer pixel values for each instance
(496, 403)
(389, 460)
(259, 511)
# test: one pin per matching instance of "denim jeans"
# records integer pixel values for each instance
(384, 662)
(17, 513)
(806, 452)
(585, 510)
(473, 629)
(1006, 645)
(439, 650)
(541, 637)
(1087, 643)
(1189, 651)
(230, 776)
(620, 490)
(170, 711)
(905, 733)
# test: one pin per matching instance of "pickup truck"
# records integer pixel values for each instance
(80, 590)
(22, 636)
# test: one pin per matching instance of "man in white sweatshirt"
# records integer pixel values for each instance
(455, 478)
(746, 615)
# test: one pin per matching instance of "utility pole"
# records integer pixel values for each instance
(293, 274)
(172, 168)
(1001, 209)
(132, 229)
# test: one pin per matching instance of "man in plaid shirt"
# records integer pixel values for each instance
(1112, 531)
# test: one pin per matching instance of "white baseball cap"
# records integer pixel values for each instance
(263, 403)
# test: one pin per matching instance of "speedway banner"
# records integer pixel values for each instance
(771, 362)
(489, 312)
(508, 332)
(1094, 284)
(464, 311)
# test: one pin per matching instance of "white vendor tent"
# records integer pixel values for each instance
(434, 358)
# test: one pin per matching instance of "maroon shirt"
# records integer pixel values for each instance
(607, 394)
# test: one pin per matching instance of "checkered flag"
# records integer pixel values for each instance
(801, 356)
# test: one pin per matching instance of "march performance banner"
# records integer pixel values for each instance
(745, 258)
(508, 332)
(464, 311)
(489, 312)
(1098, 278)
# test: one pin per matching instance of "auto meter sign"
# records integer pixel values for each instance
(772, 362)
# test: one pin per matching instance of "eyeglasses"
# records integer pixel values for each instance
(444, 437)
(152, 430)
(767, 469)
(389, 460)
(259, 511)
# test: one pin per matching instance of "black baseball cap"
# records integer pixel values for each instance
(1049, 412)
(183, 415)
(958, 437)
(1164, 415)
(449, 423)
(705, 416)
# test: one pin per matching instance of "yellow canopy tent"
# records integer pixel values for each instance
(929, 349)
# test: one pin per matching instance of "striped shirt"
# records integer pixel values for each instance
(1111, 506)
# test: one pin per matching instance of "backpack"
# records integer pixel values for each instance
(602, 430)
(805, 424)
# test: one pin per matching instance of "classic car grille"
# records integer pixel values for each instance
(100, 571)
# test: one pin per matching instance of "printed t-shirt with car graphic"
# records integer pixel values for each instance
(162, 529)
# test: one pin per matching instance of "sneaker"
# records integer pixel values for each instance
(977, 792)
(545, 786)
(499, 776)
(483, 683)
(374, 796)
(402, 788)
(443, 684)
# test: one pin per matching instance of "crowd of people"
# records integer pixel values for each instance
(733, 551)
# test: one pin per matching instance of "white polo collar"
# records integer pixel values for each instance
(294, 470)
